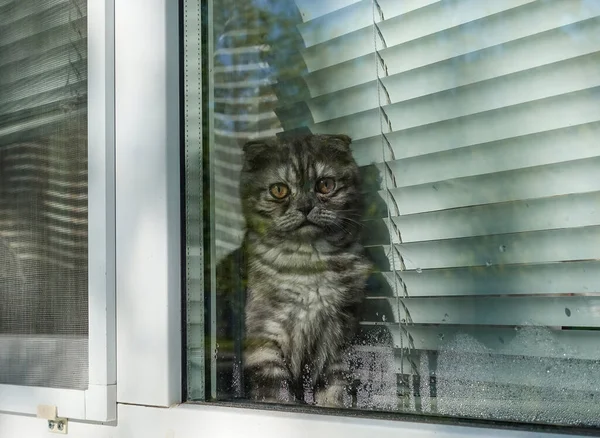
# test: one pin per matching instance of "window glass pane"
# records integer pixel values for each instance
(459, 227)
(43, 193)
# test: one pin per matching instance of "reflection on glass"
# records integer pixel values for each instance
(474, 130)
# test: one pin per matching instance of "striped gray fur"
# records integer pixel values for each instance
(306, 269)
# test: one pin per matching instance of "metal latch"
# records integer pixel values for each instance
(55, 424)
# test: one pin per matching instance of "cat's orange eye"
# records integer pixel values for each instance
(279, 191)
(325, 185)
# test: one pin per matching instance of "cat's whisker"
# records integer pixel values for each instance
(352, 221)
(345, 230)
(351, 212)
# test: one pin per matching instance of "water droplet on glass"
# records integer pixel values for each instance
(567, 311)
(419, 270)
(502, 248)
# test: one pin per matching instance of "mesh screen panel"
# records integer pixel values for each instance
(43, 193)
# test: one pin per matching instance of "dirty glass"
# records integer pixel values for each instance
(475, 129)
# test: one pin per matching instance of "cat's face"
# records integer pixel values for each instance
(304, 189)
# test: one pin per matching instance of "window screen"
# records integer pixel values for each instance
(475, 126)
(43, 193)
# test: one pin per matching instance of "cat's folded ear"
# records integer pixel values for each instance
(340, 138)
(254, 152)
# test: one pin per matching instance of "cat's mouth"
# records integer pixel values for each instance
(307, 224)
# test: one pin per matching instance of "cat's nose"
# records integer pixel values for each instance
(305, 207)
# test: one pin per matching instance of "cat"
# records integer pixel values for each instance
(306, 271)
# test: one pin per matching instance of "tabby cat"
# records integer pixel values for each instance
(306, 271)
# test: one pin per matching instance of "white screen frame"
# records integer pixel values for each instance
(98, 401)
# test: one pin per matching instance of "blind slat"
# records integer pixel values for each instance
(579, 344)
(576, 311)
(562, 245)
(579, 176)
(531, 342)
(577, 277)
(507, 217)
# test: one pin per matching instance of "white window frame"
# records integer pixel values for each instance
(98, 401)
(148, 274)
(148, 192)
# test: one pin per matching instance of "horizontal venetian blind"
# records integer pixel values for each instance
(43, 193)
(477, 126)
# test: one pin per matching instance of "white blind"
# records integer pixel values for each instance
(482, 120)
(476, 124)
(43, 193)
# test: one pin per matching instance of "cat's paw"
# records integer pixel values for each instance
(280, 395)
(330, 397)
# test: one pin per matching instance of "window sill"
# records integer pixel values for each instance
(217, 420)
(440, 426)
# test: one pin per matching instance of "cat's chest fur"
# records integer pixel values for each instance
(311, 298)
(305, 280)
(303, 296)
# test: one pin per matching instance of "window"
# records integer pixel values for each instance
(51, 346)
(481, 302)
(475, 127)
